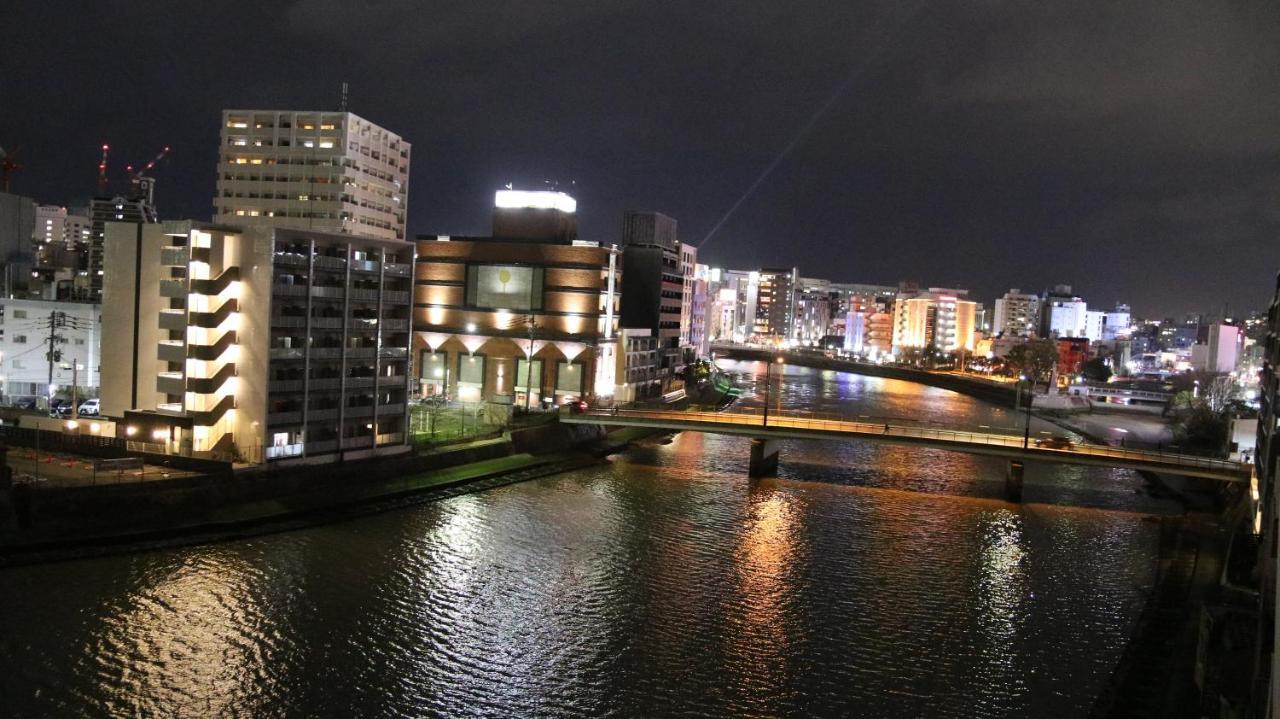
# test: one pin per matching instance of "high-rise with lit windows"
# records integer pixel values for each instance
(323, 171)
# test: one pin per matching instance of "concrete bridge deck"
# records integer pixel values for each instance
(795, 425)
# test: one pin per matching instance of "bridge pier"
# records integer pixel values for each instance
(1013, 481)
(764, 458)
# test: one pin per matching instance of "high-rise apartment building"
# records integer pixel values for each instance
(321, 171)
(258, 344)
(1017, 314)
(776, 305)
(941, 318)
(17, 225)
(812, 310)
(1062, 313)
(688, 279)
(653, 295)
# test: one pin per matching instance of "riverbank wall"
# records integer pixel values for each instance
(41, 523)
(995, 393)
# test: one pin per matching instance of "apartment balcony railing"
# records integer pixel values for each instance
(360, 411)
(294, 417)
(329, 292)
(395, 324)
(397, 269)
(324, 262)
(285, 385)
(397, 297)
(319, 415)
(284, 450)
(174, 256)
(326, 323)
(173, 319)
(359, 382)
(290, 259)
(391, 438)
(326, 352)
(173, 288)
(322, 447)
(281, 353)
(393, 380)
(286, 321)
(325, 383)
(385, 409)
(170, 383)
(393, 352)
(357, 293)
(281, 289)
(171, 351)
(364, 265)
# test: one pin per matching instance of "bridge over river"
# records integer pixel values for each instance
(765, 431)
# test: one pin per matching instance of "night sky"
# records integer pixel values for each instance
(1133, 152)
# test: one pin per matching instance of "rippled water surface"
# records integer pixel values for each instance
(866, 580)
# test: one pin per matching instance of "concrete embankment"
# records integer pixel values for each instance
(993, 392)
(47, 523)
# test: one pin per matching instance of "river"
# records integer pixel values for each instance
(866, 580)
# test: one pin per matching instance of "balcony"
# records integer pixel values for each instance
(393, 352)
(173, 288)
(281, 289)
(329, 292)
(361, 411)
(396, 269)
(394, 380)
(359, 382)
(284, 450)
(326, 414)
(385, 409)
(294, 417)
(326, 353)
(324, 262)
(285, 321)
(326, 383)
(170, 408)
(171, 351)
(388, 439)
(286, 353)
(398, 325)
(170, 383)
(173, 319)
(290, 259)
(326, 323)
(285, 385)
(174, 256)
(322, 447)
(357, 293)
(364, 266)
(361, 352)
(395, 297)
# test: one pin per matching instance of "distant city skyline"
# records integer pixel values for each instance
(1129, 152)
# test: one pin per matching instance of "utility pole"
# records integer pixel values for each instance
(56, 319)
(531, 321)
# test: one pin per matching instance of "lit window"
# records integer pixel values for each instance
(238, 125)
(326, 145)
(326, 126)
(241, 161)
(239, 142)
(240, 213)
(308, 143)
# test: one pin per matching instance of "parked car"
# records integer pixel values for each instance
(576, 406)
(89, 407)
(59, 407)
(1055, 442)
(25, 403)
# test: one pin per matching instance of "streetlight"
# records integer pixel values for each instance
(768, 382)
(1031, 394)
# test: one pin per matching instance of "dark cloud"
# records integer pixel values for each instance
(1129, 149)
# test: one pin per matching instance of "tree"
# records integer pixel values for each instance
(1096, 370)
(1034, 359)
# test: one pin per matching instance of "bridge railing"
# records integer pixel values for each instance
(831, 422)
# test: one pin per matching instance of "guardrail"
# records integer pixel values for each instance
(826, 422)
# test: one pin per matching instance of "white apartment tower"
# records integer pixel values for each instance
(321, 171)
(1017, 314)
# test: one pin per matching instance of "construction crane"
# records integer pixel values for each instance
(8, 164)
(102, 171)
(139, 184)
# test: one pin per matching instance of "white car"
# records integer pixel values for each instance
(89, 407)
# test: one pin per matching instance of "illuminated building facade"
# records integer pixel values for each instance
(940, 318)
(775, 305)
(515, 321)
(256, 344)
(323, 171)
(653, 296)
(1017, 314)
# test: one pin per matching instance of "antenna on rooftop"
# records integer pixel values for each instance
(342, 107)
